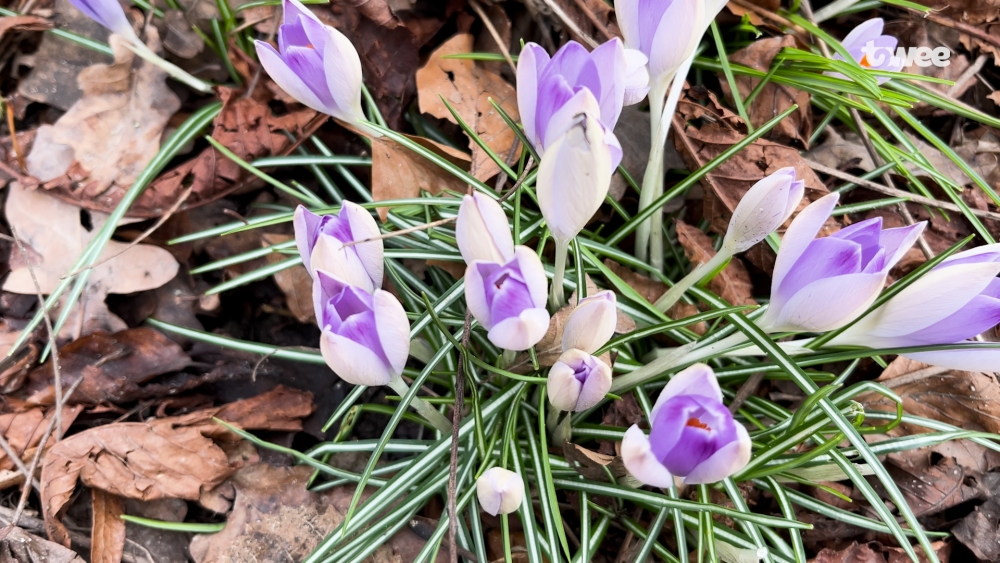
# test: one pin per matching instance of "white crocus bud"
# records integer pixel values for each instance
(592, 323)
(578, 381)
(500, 491)
(764, 208)
(482, 230)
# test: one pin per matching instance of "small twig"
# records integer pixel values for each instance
(895, 192)
(57, 378)
(28, 478)
(502, 176)
(456, 420)
(570, 24)
(582, 5)
(776, 18)
(252, 85)
(527, 168)
(969, 74)
(748, 388)
(962, 27)
(401, 232)
(21, 178)
(15, 145)
(504, 49)
(253, 376)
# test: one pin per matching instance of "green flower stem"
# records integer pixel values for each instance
(176, 72)
(673, 358)
(652, 180)
(557, 294)
(426, 410)
(667, 300)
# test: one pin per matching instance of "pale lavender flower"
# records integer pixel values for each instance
(509, 299)
(693, 435)
(551, 93)
(482, 231)
(577, 381)
(956, 301)
(592, 323)
(321, 240)
(764, 208)
(500, 491)
(871, 49)
(110, 14)
(821, 284)
(315, 64)
(365, 336)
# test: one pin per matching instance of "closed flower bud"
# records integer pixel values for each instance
(482, 230)
(108, 13)
(956, 301)
(764, 208)
(573, 178)
(821, 284)
(315, 64)
(365, 336)
(592, 323)
(500, 491)
(693, 435)
(578, 381)
(324, 244)
(509, 299)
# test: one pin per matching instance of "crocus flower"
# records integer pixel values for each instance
(482, 230)
(509, 299)
(578, 381)
(552, 92)
(500, 491)
(956, 301)
(365, 336)
(315, 64)
(592, 323)
(872, 49)
(321, 240)
(573, 178)
(764, 208)
(693, 435)
(820, 284)
(110, 14)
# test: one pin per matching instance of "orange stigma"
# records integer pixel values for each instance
(864, 62)
(697, 423)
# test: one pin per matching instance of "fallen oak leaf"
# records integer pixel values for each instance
(469, 89)
(174, 457)
(400, 173)
(24, 430)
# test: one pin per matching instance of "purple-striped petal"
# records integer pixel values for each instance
(641, 463)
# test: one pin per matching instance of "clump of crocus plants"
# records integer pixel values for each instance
(516, 342)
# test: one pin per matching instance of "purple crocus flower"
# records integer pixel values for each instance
(871, 49)
(321, 241)
(551, 93)
(315, 64)
(509, 299)
(693, 435)
(956, 301)
(820, 284)
(578, 381)
(365, 336)
(110, 14)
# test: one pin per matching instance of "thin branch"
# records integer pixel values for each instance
(504, 49)
(456, 420)
(570, 24)
(15, 145)
(582, 5)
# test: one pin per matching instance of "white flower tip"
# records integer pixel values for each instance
(640, 462)
(592, 323)
(500, 491)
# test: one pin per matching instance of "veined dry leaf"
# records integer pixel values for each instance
(174, 457)
(107, 531)
(24, 430)
(130, 107)
(733, 282)
(399, 173)
(55, 234)
(110, 365)
(294, 282)
(18, 546)
(468, 89)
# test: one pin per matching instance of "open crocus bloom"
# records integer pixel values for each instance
(365, 336)
(578, 381)
(872, 49)
(482, 231)
(509, 299)
(764, 208)
(315, 64)
(551, 93)
(321, 241)
(956, 301)
(821, 284)
(693, 435)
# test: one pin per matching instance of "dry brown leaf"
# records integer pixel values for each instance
(469, 89)
(652, 290)
(23, 23)
(733, 282)
(107, 531)
(399, 173)
(131, 108)
(593, 465)
(853, 553)
(978, 530)
(773, 98)
(181, 39)
(111, 365)
(55, 234)
(842, 153)
(294, 282)
(24, 430)
(18, 546)
(276, 518)
(173, 457)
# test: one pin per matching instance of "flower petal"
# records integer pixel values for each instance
(627, 14)
(393, 329)
(800, 234)
(676, 36)
(640, 461)
(562, 386)
(971, 357)
(342, 66)
(865, 32)
(353, 362)
(699, 379)
(595, 387)
(825, 304)
(592, 323)
(520, 332)
(475, 294)
(284, 77)
(761, 211)
(306, 226)
(530, 64)
(331, 256)
(533, 273)
(363, 227)
(482, 230)
(726, 462)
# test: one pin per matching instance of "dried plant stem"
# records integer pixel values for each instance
(425, 410)
(557, 294)
(504, 49)
(14, 144)
(456, 421)
(570, 24)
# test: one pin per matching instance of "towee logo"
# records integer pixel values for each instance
(921, 56)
